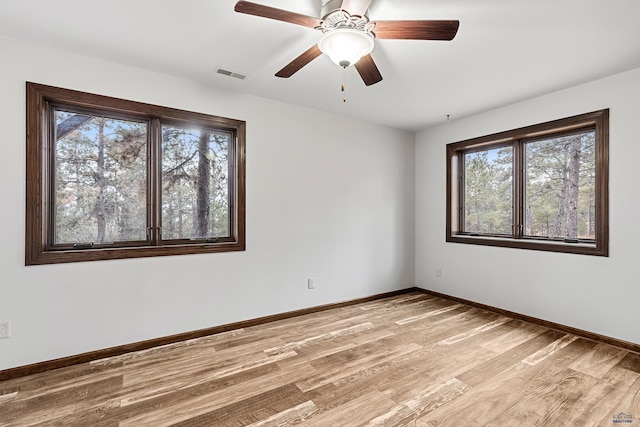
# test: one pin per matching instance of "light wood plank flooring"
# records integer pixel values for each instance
(408, 360)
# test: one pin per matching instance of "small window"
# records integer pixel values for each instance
(542, 187)
(109, 178)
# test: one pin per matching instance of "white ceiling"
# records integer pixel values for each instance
(505, 50)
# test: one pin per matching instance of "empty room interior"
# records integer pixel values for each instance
(216, 214)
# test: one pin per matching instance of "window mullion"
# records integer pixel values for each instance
(154, 182)
(518, 189)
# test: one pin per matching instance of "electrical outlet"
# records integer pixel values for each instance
(5, 329)
(438, 272)
(311, 283)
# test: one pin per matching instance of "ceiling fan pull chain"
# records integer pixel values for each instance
(344, 94)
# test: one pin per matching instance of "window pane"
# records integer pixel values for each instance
(488, 194)
(195, 183)
(560, 187)
(99, 179)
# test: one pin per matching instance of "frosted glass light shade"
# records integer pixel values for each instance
(345, 46)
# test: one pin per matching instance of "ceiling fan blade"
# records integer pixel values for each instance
(307, 56)
(416, 30)
(356, 7)
(278, 14)
(368, 70)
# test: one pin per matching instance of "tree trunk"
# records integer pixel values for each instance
(592, 207)
(69, 125)
(180, 220)
(100, 183)
(529, 221)
(560, 217)
(203, 187)
(573, 185)
(168, 222)
(125, 228)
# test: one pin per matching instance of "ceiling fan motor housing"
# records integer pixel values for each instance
(330, 6)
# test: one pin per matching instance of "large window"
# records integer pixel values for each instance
(542, 187)
(109, 178)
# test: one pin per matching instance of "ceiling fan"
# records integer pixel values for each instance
(348, 34)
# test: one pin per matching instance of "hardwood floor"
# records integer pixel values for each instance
(408, 360)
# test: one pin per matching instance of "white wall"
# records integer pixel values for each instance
(327, 197)
(596, 294)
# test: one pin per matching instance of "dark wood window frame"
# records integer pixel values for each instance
(598, 120)
(38, 245)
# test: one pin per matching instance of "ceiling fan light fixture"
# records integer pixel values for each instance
(345, 46)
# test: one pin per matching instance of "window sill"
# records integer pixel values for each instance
(83, 255)
(531, 244)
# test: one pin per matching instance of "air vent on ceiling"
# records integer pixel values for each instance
(230, 73)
